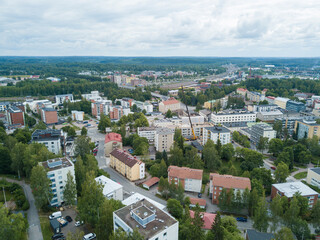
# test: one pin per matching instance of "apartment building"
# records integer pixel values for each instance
(219, 182)
(191, 179)
(269, 116)
(127, 165)
(111, 142)
(289, 122)
(4, 106)
(164, 139)
(148, 132)
(231, 116)
(242, 91)
(77, 115)
(93, 96)
(215, 133)
(255, 96)
(101, 107)
(36, 105)
(51, 138)
(281, 102)
(307, 128)
(64, 97)
(150, 221)
(295, 106)
(57, 170)
(288, 189)
(15, 117)
(262, 130)
(313, 176)
(172, 104)
(49, 115)
(111, 189)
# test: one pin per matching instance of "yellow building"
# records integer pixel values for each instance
(307, 128)
(209, 104)
(127, 165)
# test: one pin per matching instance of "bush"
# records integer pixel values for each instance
(25, 206)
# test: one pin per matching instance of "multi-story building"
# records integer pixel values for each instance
(111, 189)
(93, 96)
(116, 112)
(242, 91)
(270, 99)
(15, 117)
(289, 122)
(148, 107)
(263, 108)
(281, 102)
(295, 106)
(172, 104)
(313, 176)
(219, 182)
(209, 104)
(215, 133)
(262, 130)
(4, 106)
(111, 142)
(148, 132)
(173, 93)
(77, 115)
(57, 170)
(36, 105)
(64, 97)
(255, 96)
(232, 116)
(306, 128)
(164, 139)
(138, 82)
(150, 221)
(49, 115)
(289, 189)
(191, 179)
(51, 138)
(101, 107)
(127, 165)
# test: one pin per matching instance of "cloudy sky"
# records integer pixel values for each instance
(271, 28)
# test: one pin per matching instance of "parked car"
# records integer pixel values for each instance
(130, 150)
(199, 195)
(56, 236)
(95, 154)
(68, 218)
(78, 223)
(85, 122)
(55, 215)
(61, 238)
(273, 167)
(241, 219)
(89, 236)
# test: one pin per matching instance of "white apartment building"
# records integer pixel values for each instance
(172, 104)
(233, 116)
(194, 119)
(150, 221)
(64, 97)
(191, 179)
(215, 133)
(262, 130)
(33, 104)
(144, 106)
(313, 176)
(148, 132)
(51, 138)
(164, 139)
(57, 170)
(77, 115)
(111, 189)
(281, 102)
(94, 95)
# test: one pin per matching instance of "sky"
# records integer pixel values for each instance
(217, 28)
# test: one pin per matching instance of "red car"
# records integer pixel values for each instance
(273, 167)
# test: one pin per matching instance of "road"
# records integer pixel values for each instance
(34, 230)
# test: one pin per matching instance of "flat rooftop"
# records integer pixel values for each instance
(109, 185)
(217, 129)
(56, 163)
(290, 188)
(143, 209)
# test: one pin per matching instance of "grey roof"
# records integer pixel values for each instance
(316, 170)
(45, 134)
(49, 109)
(290, 188)
(216, 129)
(254, 235)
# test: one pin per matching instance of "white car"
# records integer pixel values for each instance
(89, 236)
(78, 223)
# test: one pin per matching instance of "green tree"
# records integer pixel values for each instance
(275, 146)
(276, 212)
(82, 146)
(253, 199)
(278, 128)
(168, 114)
(40, 184)
(281, 173)
(5, 160)
(262, 144)
(260, 217)
(284, 233)
(176, 157)
(91, 200)
(227, 152)
(210, 156)
(217, 229)
(315, 213)
(104, 123)
(264, 176)
(84, 131)
(17, 156)
(70, 190)
(197, 224)
(121, 235)
(175, 208)
(78, 235)
(41, 126)
(80, 174)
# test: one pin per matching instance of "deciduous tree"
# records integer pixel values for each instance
(70, 190)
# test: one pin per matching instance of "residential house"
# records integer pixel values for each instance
(208, 219)
(111, 189)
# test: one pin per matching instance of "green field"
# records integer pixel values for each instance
(300, 175)
(45, 228)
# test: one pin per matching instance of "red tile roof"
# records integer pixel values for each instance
(242, 89)
(228, 181)
(172, 100)
(151, 181)
(125, 157)
(113, 137)
(208, 218)
(184, 172)
(200, 201)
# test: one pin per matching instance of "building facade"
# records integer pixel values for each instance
(77, 115)
(164, 139)
(313, 176)
(111, 189)
(57, 170)
(262, 130)
(231, 116)
(64, 97)
(51, 138)
(148, 132)
(215, 133)
(127, 165)
(172, 104)
(15, 116)
(281, 102)
(306, 128)
(219, 182)
(49, 115)
(111, 142)
(295, 106)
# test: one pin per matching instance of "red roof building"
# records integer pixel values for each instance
(200, 201)
(208, 219)
(149, 183)
(172, 104)
(111, 142)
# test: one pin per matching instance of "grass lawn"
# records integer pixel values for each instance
(45, 228)
(300, 175)
(293, 170)
(8, 195)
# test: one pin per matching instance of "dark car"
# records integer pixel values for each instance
(199, 195)
(61, 238)
(241, 219)
(68, 218)
(57, 236)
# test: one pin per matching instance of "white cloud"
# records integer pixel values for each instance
(160, 28)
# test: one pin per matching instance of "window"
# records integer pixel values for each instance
(165, 234)
(214, 197)
(60, 177)
(220, 188)
(60, 182)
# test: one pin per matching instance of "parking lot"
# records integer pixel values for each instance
(70, 227)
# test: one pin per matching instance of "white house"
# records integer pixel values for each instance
(57, 170)
(111, 189)
(64, 97)
(77, 115)
(150, 221)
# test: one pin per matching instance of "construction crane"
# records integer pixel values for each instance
(193, 134)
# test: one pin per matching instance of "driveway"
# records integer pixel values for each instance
(34, 230)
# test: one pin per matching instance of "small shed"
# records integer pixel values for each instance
(149, 183)
(55, 225)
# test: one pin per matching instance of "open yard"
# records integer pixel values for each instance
(300, 175)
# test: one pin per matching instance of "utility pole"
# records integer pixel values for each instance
(4, 195)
